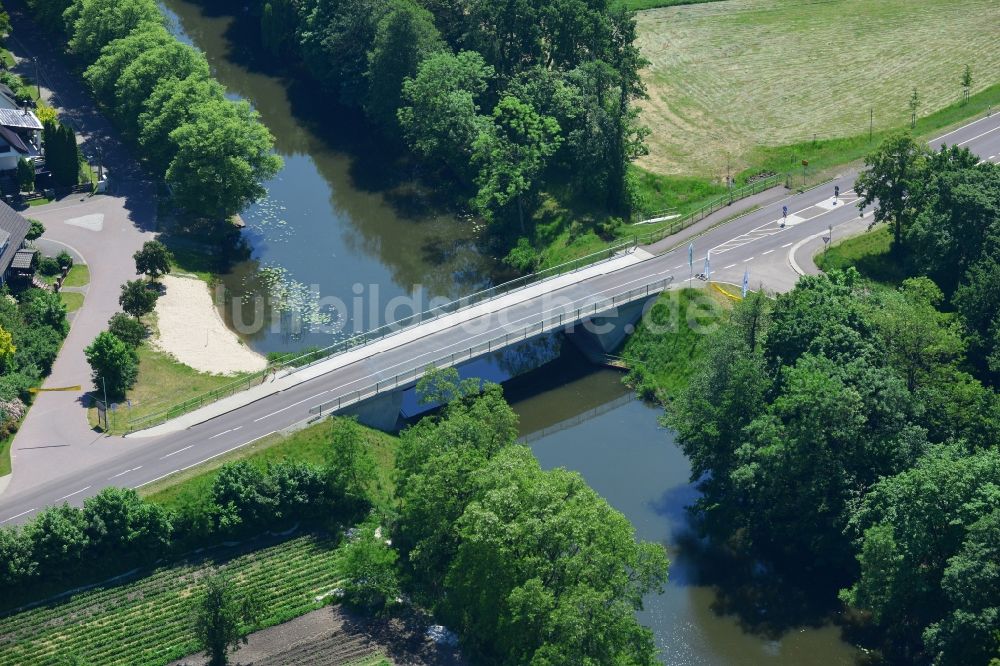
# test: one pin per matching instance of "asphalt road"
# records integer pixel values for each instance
(756, 241)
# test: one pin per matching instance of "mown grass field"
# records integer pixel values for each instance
(148, 621)
(728, 77)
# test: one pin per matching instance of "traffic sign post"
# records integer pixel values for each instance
(784, 216)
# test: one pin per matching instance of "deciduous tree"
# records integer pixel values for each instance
(114, 364)
(223, 156)
(137, 299)
(152, 260)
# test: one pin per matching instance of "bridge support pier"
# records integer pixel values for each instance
(605, 334)
(380, 412)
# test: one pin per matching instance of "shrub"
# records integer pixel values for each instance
(65, 260)
(48, 266)
(130, 331)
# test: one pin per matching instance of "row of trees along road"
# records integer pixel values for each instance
(847, 433)
(112, 355)
(213, 152)
(504, 99)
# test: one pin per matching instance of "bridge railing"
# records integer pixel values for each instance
(315, 356)
(568, 316)
(712, 206)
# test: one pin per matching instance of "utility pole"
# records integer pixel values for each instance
(38, 80)
(729, 180)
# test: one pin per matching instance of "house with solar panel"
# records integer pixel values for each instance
(20, 133)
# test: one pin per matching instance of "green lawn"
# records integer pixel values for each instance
(71, 299)
(665, 349)
(728, 77)
(869, 253)
(639, 5)
(5, 455)
(78, 276)
(163, 382)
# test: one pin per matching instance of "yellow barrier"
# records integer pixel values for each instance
(715, 285)
(61, 388)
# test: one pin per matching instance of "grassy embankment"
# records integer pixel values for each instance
(665, 349)
(870, 254)
(147, 619)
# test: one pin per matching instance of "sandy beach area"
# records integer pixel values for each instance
(191, 330)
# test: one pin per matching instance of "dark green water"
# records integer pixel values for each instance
(328, 226)
(590, 425)
(331, 227)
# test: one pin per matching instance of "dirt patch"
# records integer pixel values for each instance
(331, 636)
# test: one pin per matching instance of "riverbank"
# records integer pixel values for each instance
(190, 329)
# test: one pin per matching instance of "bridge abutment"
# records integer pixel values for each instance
(602, 335)
(381, 412)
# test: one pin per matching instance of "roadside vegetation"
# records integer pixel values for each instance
(436, 492)
(32, 328)
(667, 347)
(845, 435)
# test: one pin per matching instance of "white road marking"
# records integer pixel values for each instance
(768, 252)
(23, 513)
(787, 245)
(73, 493)
(124, 473)
(225, 432)
(216, 455)
(295, 404)
(146, 483)
(958, 129)
(177, 451)
(728, 267)
(962, 143)
(749, 260)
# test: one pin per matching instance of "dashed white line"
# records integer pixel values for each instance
(23, 513)
(238, 446)
(728, 267)
(768, 252)
(177, 451)
(124, 473)
(294, 404)
(787, 245)
(73, 493)
(750, 259)
(224, 432)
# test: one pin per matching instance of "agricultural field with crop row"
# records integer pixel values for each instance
(148, 621)
(728, 76)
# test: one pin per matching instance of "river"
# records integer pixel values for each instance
(329, 226)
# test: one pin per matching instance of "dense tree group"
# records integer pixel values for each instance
(213, 152)
(824, 428)
(506, 99)
(116, 529)
(944, 208)
(529, 566)
(36, 324)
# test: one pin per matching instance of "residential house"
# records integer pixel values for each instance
(20, 132)
(13, 230)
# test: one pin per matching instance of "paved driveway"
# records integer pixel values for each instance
(105, 230)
